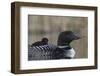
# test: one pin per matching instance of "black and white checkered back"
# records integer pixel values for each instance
(44, 52)
(47, 52)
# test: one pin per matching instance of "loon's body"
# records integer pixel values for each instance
(49, 51)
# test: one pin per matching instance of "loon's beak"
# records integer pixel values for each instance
(75, 37)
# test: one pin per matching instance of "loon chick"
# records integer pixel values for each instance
(44, 41)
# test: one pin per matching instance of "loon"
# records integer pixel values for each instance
(44, 41)
(42, 50)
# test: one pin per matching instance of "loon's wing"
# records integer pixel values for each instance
(44, 52)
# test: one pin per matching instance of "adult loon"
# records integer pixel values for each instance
(42, 50)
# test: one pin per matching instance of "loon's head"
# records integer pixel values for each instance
(66, 37)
